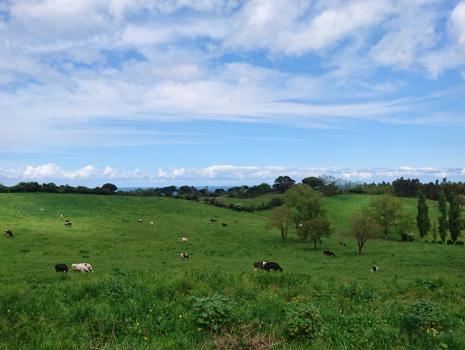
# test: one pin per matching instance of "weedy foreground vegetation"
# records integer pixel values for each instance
(143, 296)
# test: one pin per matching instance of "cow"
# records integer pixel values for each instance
(374, 268)
(125, 219)
(183, 239)
(68, 223)
(267, 266)
(61, 216)
(41, 209)
(151, 222)
(328, 253)
(82, 267)
(61, 268)
(184, 256)
(213, 220)
(8, 233)
(140, 220)
(224, 224)
(236, 221)
(342, 243)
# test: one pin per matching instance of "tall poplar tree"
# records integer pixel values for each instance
(423, 222)
(443, 214)
(454, 217)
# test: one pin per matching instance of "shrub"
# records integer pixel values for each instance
(213, 312)
(449, 241)
(459, 243)
(422, 317)
(303, 321)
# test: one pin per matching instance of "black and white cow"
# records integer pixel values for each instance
(374, 268)
(61, 268)
(213, 220)
(267, 266)
(184, 256)
(68, 223)
(328, 253)
(8, 233)
(125, 219)
(140, 220)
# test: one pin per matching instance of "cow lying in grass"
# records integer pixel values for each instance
(328, 253)
(374, 268)
(184, 256)
(8, 233)
(61, 268)
(267, 266)
(68, 223)
(183, 239)
(82, 267)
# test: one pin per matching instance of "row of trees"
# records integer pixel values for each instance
(107, 188)
(302, 211)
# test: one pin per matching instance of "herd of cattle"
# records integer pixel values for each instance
(259, 265)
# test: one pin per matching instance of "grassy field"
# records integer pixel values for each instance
(140, 295)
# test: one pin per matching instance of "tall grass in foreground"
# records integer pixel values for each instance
(159, 311)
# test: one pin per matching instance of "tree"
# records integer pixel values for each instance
(283, 183)
(385, 210)
(423, 222)
(305, 202)
(454, 218)
(110, 187)
(314, 230)
(404, 224)
(443, 214)
(362, 227)
(316, 183)
(281, 218)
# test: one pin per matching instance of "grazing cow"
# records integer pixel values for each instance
(224, 224)
(267, 266)
(236, 221)
(184, 256)
(8, 233)
(328, 253)
(140, 220)
(342, 243)
(213, 220)
(68, 223)
(151, 222)
(125, 220)
(183, 239)
(61, 268)
(82, 267)
(374, 268)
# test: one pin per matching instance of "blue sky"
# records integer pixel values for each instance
(213, 92)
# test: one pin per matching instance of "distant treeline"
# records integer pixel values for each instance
(328, 186)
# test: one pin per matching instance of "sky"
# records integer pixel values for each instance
(229, 92)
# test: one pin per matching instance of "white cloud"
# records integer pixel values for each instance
(215, 174)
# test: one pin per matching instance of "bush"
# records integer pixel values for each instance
(459, 243)
(213, 312)
(303, 321)
(449, 241)
(422, 317)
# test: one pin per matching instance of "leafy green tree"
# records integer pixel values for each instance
(281, 218)
(283, 183)
(454, 218)
(305, 202)
(404, 225)
(362, 226)
(385, 210)
(443, 215)
(316, 183)
(314, 230)
(423, 222)
(110, 187)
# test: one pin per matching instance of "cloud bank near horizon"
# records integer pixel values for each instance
(213, 175)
